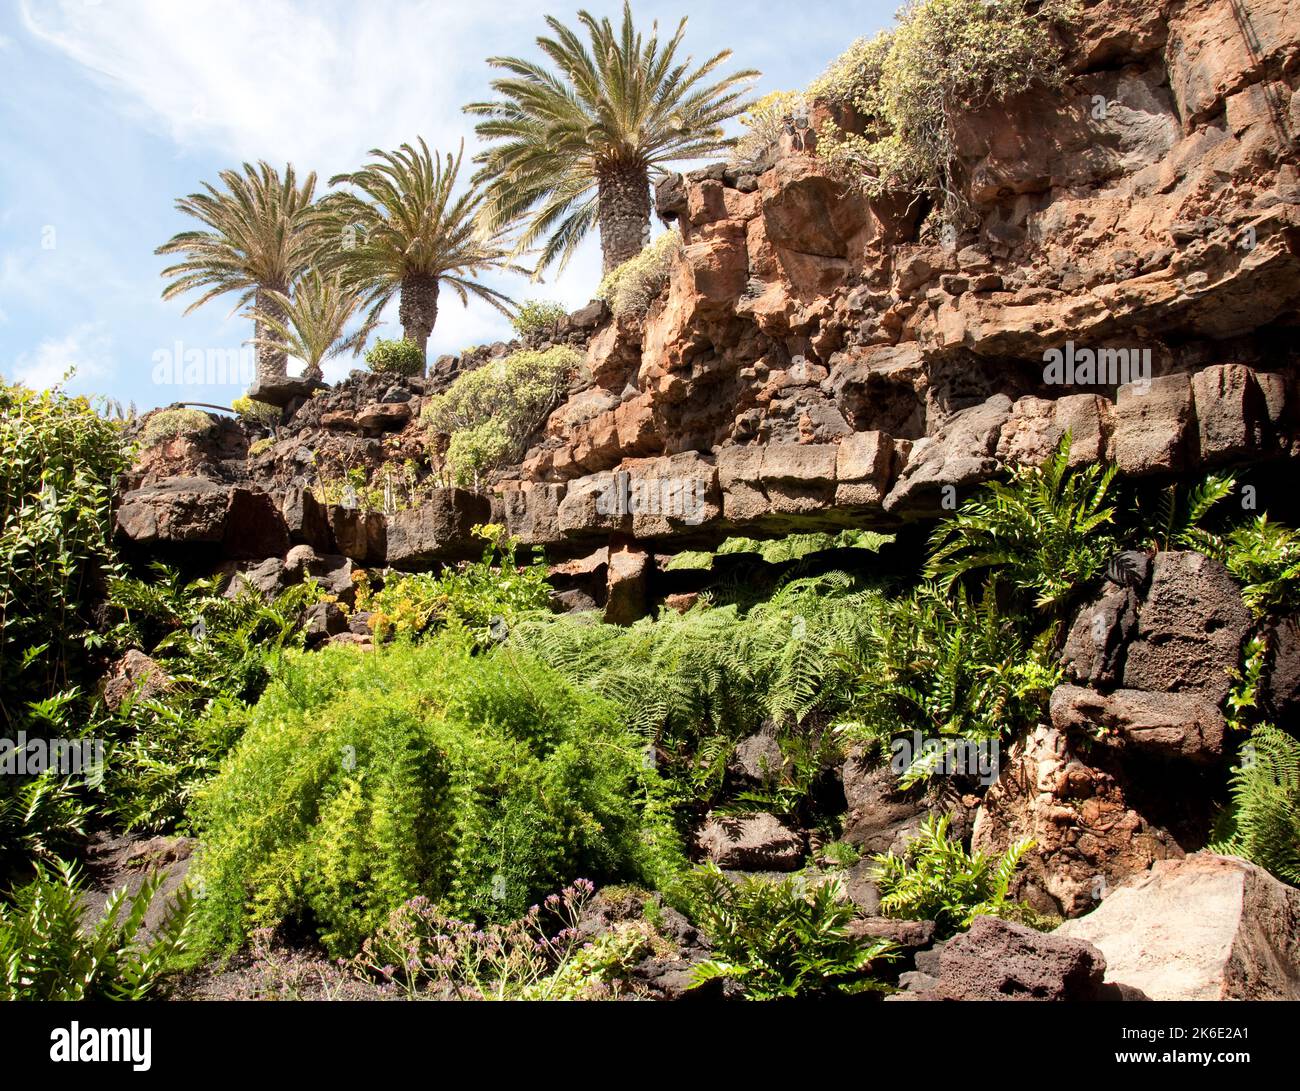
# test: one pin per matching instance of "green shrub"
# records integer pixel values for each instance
(935, 879)
(633, 286)
(490, 413)
(261, 414)
(477, 596)
(477, 781)
(260, 446)
(43, 819)
(217, 654)
(47, 953)
(177, 423)
(397, 357)
(764, 122)
(537, 316)
(945, 57)
(1263, 822)
(776, 940)
(1265, 559)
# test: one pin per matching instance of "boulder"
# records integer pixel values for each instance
(323, 620)
(1151, 425)
(1168, 726)
(175, 511)
(265, 579)
(757, 761)
(254, 526)
(626, 582)
(136, 676)
(1232, 417)
(380, 417)
(1086, 835)
(441, 529)
(359, 533)
(999, 960)
(306, 519)
(880, 818)
(1190, 628)
(864, 468)
(750, 842)
(1206, 927)
(281, 391)
(1095, 646)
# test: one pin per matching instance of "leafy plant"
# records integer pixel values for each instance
(477, 781)
(537, 316)
(402, 357)
(47, 954)
(1179, 516)
(404, 233)
(777, 940)
(174, 423)
(1047, 532)
(312, 324)
(1265, 558)
(934, 878)
(490, 413)
(632, 286)
(41, 819)
(1263, 822)
(764, 123)
(260, 414)
(572, 144)
(485, 597)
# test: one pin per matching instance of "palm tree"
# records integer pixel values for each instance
(409, 235)
(312, 325)
(261, 240)
(613, 112)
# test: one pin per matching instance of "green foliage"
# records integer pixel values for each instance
(614, 107)
(494, 591)
(1263, 822)
(944, 58)
(46, 953)
(1047, 532)
(934, 878)
(477, 781)
(630, 288)
(541, 956)
(1180, 513)
(490, 413)
(1265, 559)
(217, 653)
(399, 357)
(389, 487)
(260, 414)
(946, 666)
(764, 122)
(42, 819)
(260, 446)
(176, 423)
(779, 550)
(777, 940)
(538, 316)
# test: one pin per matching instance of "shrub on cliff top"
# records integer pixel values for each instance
(251, 411)
(630, 288)
(945, 57)
(175, 423)
(400, 357)
(537, 316)
(491, 412)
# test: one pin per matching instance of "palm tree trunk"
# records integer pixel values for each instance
(272, 362)
(417, 308)
(624, 214)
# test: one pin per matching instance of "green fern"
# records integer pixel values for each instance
(1263, 822)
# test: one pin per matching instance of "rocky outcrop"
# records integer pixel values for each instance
(1203, 928)
(999, 960)
(751, 842)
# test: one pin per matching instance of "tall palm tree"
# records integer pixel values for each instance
(576, 146)
(409, 234)
(312, 324)
(261, 240)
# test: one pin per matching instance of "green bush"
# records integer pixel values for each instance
(261, 414)
(177, 423)
(764, 122)
(1265, 559)
(490, 413)
(477, 596)
(633, 286)
(398, 357)
(1262, 824)
(48, 953)
(935, 879)
(776, 940)
(477, 781)
(945, 57)
(537, 316)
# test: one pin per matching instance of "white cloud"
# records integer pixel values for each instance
(87, 348)
(316, 84)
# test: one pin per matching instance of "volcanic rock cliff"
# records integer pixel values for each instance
(821, 359)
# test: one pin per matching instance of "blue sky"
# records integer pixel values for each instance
(110, 109)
